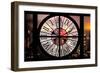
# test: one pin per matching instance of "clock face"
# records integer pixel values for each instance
(58, 35)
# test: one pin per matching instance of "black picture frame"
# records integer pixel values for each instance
(15, 35)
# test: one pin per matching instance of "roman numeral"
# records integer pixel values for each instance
(46, 45)
(45, 28)
(67, 21)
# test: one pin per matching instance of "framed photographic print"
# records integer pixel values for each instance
(52, 36)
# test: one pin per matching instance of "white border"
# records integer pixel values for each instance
(34, 64)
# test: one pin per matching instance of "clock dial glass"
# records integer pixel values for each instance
(58, 36)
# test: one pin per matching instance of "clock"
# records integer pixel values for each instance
(58, 35)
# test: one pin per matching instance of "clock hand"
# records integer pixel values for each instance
(69, 31)
(53, 33)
